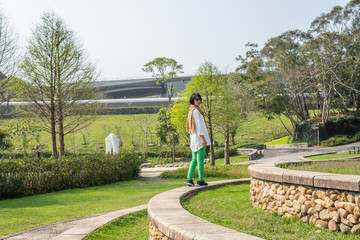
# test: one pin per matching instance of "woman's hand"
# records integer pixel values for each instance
(203, 141)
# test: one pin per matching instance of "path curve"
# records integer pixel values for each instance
(78, 228)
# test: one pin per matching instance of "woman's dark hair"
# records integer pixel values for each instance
(193, 96)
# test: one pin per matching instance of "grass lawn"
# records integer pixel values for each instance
(233, 159)
(334, 156)
(256, 129)
(230, 206)
(337, 167)
(278, 141)
(22, 213)
(134, 226)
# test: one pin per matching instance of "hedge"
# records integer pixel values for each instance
(30, 176)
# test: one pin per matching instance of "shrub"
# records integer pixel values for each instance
(222, 171)
(29, 176)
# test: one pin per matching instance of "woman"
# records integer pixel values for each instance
(199, 139)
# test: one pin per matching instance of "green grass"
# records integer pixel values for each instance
(222, 171)
(278, 141)
(233, 159)
(337, 167)
(256, 129)
(230, 206)
(334, 156)
(131, 227)
(22, 213)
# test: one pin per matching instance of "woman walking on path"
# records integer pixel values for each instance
(199, 139)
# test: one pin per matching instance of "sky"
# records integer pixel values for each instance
(120, 36)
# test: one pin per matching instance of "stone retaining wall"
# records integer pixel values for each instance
(251, 152)
(326, 200)
(169, 220)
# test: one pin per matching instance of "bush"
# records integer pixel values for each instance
(341, 140)
(29, 176)
(222, 171)
(219, 153)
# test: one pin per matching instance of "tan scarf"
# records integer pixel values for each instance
(190, 122)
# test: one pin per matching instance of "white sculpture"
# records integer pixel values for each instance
(112, 141)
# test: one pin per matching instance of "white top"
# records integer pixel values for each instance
(200, 129)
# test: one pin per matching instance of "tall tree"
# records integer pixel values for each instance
(207, 81)
(58, 76)
(9, 59)
(283, 57)
(228, 112)
(164, 69)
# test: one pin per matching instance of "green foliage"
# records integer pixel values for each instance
(29, 176)
(4, 140)
(341, 140)
(163, 68)
(164, 126)
(221, 171)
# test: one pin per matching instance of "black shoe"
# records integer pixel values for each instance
(201, 183)
(190, 182)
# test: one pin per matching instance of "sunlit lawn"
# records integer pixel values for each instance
(230, 206)
(334, 156)
(22, 213)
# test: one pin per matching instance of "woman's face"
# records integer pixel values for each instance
(197, 101)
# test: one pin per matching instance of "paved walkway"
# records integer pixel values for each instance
(80, 227)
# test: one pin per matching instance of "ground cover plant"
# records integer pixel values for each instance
(131, 227)
(338, 167)
(230, 206)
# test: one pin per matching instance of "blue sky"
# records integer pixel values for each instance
(120, 36)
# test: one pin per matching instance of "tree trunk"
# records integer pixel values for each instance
(287, 130)
(61, 137)
(212, 154)
(226, 148)
(53, 134)
(233, 139)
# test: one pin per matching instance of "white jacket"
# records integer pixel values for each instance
(200, 129)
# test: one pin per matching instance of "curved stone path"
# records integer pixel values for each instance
(76, 229)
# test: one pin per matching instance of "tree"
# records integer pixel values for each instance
(164, 69)
(163, 127)
(228, 113)
(207, 81)
(9, 58)
(58, 76)
(283, 56)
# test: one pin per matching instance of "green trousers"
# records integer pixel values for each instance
(197, 159)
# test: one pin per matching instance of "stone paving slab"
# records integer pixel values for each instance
(168, 216)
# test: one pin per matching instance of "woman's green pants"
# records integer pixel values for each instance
(197, 159)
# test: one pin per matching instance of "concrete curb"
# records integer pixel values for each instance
(166, 214)
(75, 229)
(86, 226)
(272, 173)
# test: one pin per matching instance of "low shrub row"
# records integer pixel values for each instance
(341, 140)
(222, 171)
(30, 176)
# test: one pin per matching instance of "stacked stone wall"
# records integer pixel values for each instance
(326, 208)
